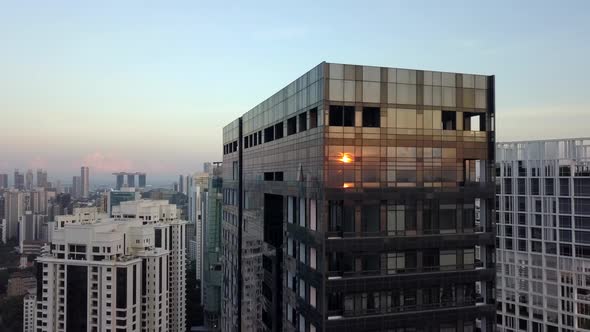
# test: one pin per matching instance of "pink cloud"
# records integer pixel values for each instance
(103, 163)
(38, 162)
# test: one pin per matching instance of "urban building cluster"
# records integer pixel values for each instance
(356, 198)
(27, 207)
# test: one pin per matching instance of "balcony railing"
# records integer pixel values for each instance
(343, 234)
(389, 272)
(398, 309)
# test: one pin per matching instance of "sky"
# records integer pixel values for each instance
(148, 85)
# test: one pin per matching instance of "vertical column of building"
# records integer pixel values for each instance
(84, 181)
(177, 276)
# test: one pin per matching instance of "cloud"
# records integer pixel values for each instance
(106, 162)
(38, 162)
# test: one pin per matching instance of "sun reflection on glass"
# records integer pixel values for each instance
(345, 157)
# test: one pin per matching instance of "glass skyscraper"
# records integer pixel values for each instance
(350, 204)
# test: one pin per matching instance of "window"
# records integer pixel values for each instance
(371, 117)
(474, 121)
(302, 214)
(302, 253)
(269, 135)
(312, 215)
(370, 217)
(302, 122)
(395, 220)
(292, 126)
(342, 116)
(302, 288)
(313, 117)
(449, 120)
(312, 296)
(279, 130)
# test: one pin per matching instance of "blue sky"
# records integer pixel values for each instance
(148, 85)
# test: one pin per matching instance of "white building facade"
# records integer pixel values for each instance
(543, 235)
(197, 205)
(29, 312)
(114, 274)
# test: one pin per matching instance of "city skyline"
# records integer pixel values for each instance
(126, 82)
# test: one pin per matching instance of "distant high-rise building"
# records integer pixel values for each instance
(19, 180)
(350, 205)
(197, 206)
(116, 197)
(29, 312)
(119, 180)
(38, 200)
(30, 225)
(181, 184)
(76, 186)
(84, 181)
(121, 273)
(41, 178)
(14, 208)
(206, 167)
(212, 251)
(58, 187)
(29, 184)
(142, 180)
(3, 227)
(3, 181)
(131, 180)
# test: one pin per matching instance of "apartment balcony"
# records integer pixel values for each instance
(419, 315)
(384, 241)
(367, 281)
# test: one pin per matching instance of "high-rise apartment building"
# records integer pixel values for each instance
(19, 180)
(141, 180)
(41, 178)
(76, 186)
(113, 274)
(14, 209)
(543, 248)
(29, 178)
(131, 180)
(29, 312)
(3, 181)
(211, 281)
(30, 228)
(120, 180)
(174, 240)
(349, 204)
(196, 188)
(84, 181)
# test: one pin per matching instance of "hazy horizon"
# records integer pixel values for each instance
(135, 86)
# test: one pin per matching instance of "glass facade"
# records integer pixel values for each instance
(379, 174)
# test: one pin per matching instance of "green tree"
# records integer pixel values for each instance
(11, 314)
